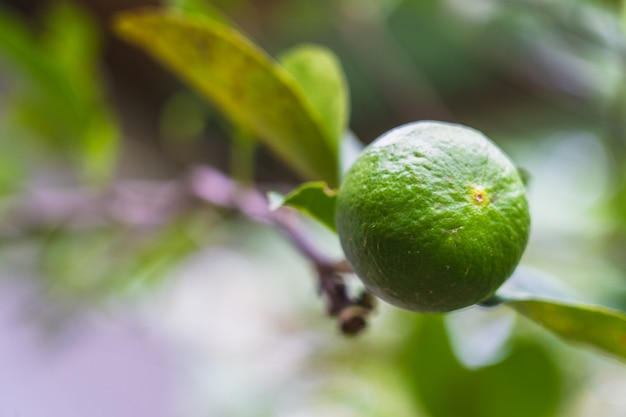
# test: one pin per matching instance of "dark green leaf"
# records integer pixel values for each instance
(315, 199)
(256, 93)
(319, 73)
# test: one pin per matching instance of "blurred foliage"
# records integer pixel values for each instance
(447, 388)
(544, 79)
(104, 262)
(56, 92)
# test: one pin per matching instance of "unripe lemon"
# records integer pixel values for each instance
(433, 217)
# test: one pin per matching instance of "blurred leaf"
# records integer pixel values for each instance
(594, 326)
(43, 95)
(257, 94)
(99, 262)
(319, 73)
(20, 49)
(314, 199)
(526, 383)
(72, 38)
(158, 255)
(58, 92)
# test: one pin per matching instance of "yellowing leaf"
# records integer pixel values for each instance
(249, 87)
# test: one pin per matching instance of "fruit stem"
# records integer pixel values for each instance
(242, 157)
(492, 301)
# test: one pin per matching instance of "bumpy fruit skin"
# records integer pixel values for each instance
(433, 217)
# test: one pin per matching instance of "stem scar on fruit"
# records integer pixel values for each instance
(479, 196)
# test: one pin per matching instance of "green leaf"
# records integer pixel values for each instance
(255, 92)
(319, 73)
(314, 199)
(598, 327)
(546, 300)
(526, 383)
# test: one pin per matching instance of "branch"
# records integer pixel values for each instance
(213, 187)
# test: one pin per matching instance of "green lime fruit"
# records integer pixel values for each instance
(433, 217)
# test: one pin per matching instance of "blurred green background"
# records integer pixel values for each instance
(144, 304)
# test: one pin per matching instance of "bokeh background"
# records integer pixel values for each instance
(159, 310)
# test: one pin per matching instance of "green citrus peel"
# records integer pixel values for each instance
(433, 217)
